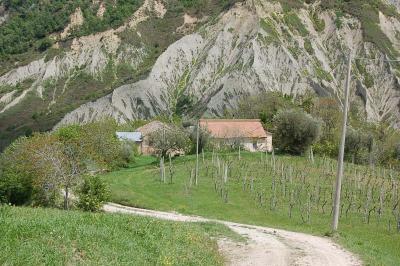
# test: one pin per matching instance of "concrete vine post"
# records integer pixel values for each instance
(273, 160)
(340, 170)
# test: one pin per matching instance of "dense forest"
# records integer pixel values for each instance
(32, 22)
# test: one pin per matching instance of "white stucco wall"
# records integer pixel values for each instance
(252, 145)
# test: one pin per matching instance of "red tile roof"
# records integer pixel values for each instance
(234, 128)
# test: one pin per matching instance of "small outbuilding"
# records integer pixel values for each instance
(248, 133)
(135, 137)
(130, 136)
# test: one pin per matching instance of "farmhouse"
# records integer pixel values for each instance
(248, 133)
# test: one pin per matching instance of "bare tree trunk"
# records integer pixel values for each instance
(162, 170)
(164, 176)
(191, 177)
(312, 155)
(171, 170)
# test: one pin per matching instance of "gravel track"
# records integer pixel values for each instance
(264, 246)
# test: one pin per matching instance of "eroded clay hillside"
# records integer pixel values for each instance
(79, 68)
(256, 47)
(165, 60)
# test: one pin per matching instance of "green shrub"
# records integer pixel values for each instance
(92, 194)
(45, 44)
(327, 148)
(16, 177)
(295, 23)
(308, 47)
(295, 131)
(268, 26)
(14, 188)
(319, 24)
(288, 5)
(368, 79)
(321, 73)
(339, 19)
(128, 152)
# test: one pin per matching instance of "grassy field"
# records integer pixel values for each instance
(51, 237)
(296, 195)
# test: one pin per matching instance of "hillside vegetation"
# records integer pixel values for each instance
(27, 31)
(102, 52)
(366, 11)
(30, 34)
(45, 236)
(286, 192)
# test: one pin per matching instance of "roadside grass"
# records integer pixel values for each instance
(140, 186)
(36, 236)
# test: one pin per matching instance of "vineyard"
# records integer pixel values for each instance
(371, 195)
(288, 192)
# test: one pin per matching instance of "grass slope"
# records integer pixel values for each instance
(52, 237)
(140, 186)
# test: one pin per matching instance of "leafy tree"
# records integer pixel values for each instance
(262, 106)
(37, 168)
(295, 131)
(169, 139)
(328, 111)
(100, 142)
(57, 165)
(384, 145)
(358, 143)
(204, 136)
(41, 168)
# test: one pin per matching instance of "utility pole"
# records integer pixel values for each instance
(340, 170)
(197, 153)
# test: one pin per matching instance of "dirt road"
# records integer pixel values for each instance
(265, 246)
